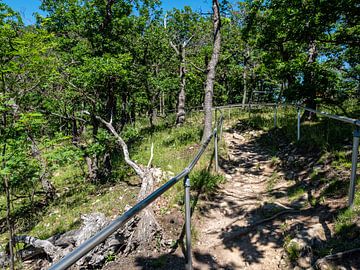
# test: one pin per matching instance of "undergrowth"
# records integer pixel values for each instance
(174, 148)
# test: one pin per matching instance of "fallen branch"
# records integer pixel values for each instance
(336, 256)
(151, 155)
(50, 249)
(146, 226)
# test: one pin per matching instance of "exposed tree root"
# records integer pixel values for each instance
(336, 256)
(248, 229)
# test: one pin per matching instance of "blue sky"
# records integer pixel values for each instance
(28, 7)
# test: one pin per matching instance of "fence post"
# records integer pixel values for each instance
(215, 115)
(298, 124)
(355, 154)
(221, 130)
(216, 151)
(275, 116)
(188, 223)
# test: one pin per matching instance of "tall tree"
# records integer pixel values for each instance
(182, 27)
(211, 71)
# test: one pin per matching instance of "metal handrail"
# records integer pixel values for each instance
(102, 235)
(355, 150)
(349, 120)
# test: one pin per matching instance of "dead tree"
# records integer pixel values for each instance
(138, 233)
(147, 226)
(180, 50)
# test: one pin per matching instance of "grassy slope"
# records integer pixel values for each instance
(174, 148)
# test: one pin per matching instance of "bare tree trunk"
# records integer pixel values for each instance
(8, 200)
(245, 74)
(147, 225)
(93, 170)
(9, 223)
(47, 186)
(210, 77)
(309, 80)
(180, 116)
(163, 103)
(8, 210)
(160, 104)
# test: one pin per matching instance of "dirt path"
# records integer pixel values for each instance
(233, 210)
(264, 216)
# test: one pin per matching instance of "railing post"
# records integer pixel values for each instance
(215, 115)
(355, 154)
(216, 151)
(298, 124)
(275, 116)
(221, 130)
(188, 223)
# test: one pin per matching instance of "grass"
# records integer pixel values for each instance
(274, 178)
(347, 219)
(79, 197)
(292, 248)
(174, 148)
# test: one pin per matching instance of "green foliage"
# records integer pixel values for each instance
(205, 181)
(292, 249)
(85, 59)
(347, 220)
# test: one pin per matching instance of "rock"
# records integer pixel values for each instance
(271, 208)
(316, 235)
(291, 159)
(304, 242)
(290, 175)
(297, 243)
(304, 262)
(238, 136)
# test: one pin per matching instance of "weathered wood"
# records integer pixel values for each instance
(124, 147)
(138, 233)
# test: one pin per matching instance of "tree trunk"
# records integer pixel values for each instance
(8, 212)
(147, 225)
(246, 57)
(180, 116)
(163, 103)
(211, 71)
(93, 170)
(8, 200)
(309, 82)
(47, 186)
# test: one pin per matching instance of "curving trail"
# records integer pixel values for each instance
(227, 239)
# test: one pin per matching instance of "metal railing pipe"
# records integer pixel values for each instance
(216, 152)
(188, 223)
(101, 236)
(298, 124)
(349, 120)
(355, 154)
